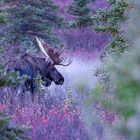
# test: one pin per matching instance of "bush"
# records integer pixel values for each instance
(2, 19)
(9, 131)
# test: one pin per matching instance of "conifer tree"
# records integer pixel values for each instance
(105, 20)
(110, 21)
(10, 132)
(28, 18)
(79, 9)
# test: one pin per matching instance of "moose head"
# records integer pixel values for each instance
(53, 57)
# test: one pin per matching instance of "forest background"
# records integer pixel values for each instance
(102, 38)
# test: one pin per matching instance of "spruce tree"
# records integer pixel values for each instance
(110, 21)
(79, 9)
(28, 18)
(104, 20)
(10, 132)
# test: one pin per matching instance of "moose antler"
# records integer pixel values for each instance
(41, 47)
(53, 54)
(56, 57)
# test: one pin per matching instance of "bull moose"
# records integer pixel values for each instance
(31, 65)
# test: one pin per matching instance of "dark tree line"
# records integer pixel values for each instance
(25, 19)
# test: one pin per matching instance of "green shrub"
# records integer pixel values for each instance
(10, 132)
(2, 20)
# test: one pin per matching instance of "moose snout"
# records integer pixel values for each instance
(60, 81)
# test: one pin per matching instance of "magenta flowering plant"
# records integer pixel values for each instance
(59, 122)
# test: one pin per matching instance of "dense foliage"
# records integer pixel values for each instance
(9, 131)
(26, 19)
(106, 20)
(120, 79)
(81, 12)
(118, 74)
(110, 20)
(111, 109)
(126, 74)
